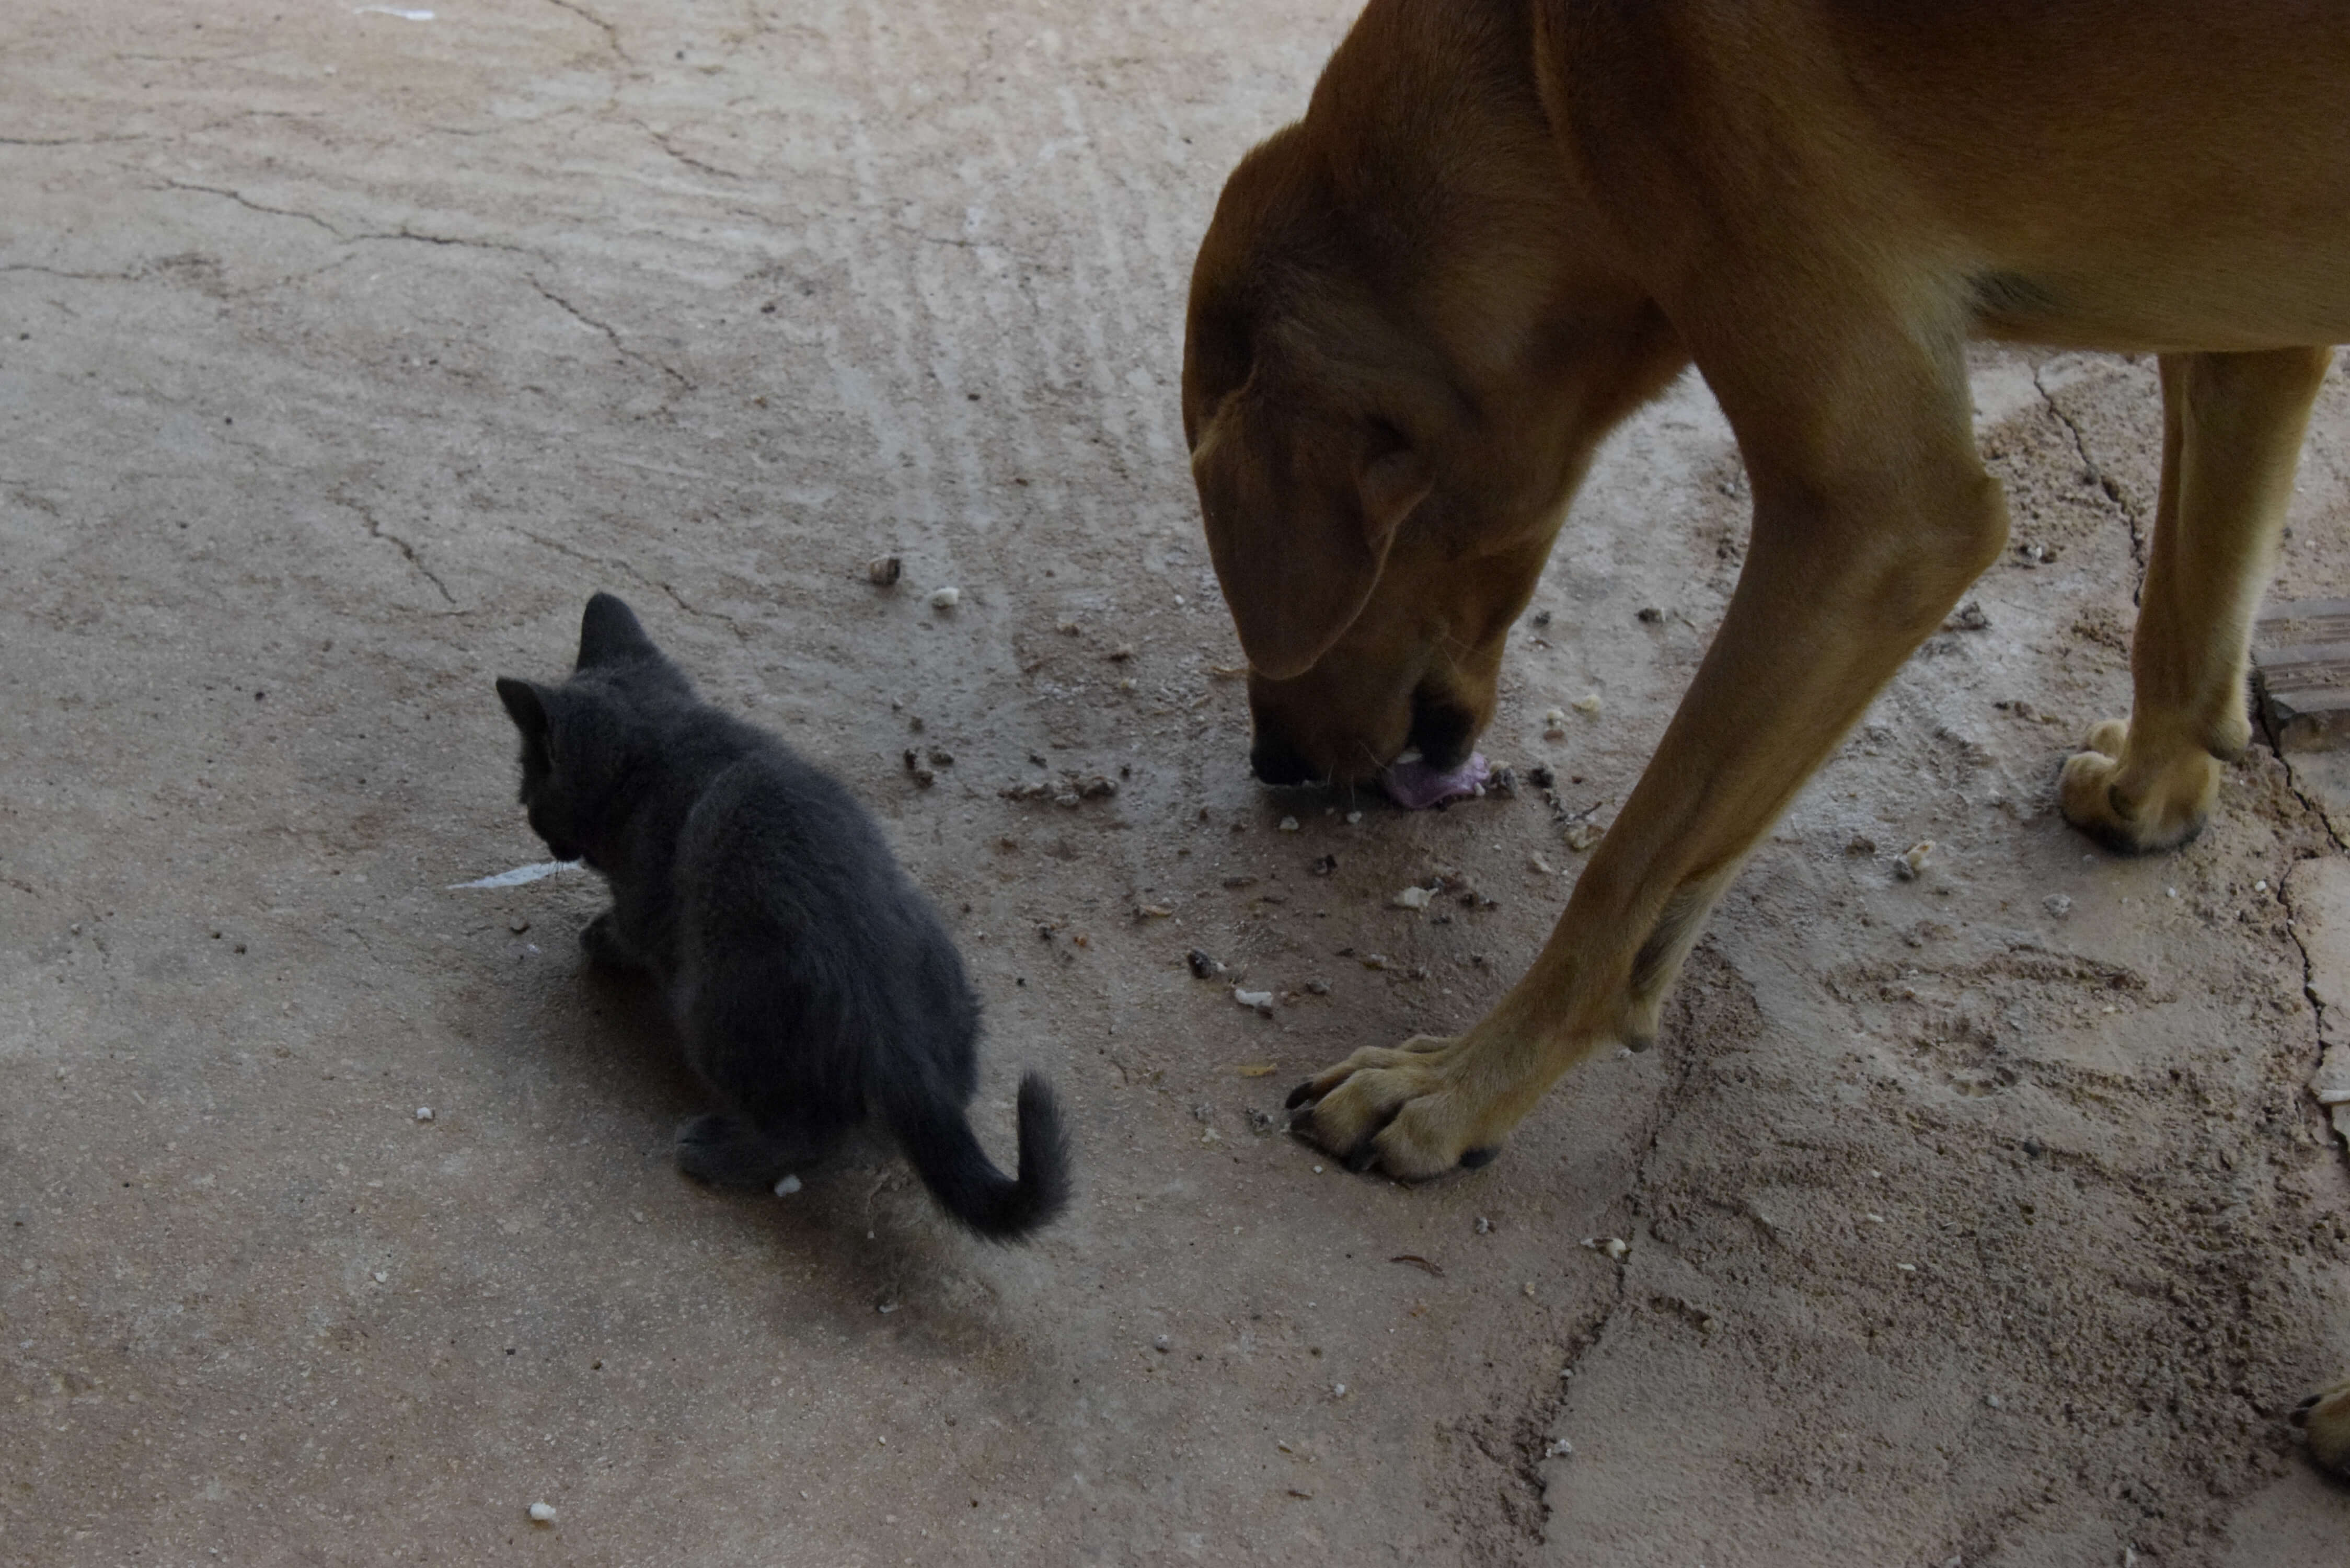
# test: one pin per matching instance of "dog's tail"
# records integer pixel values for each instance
(937, 1138)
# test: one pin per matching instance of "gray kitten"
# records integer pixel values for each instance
(813, 982)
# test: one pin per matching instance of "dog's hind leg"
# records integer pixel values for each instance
(2232, 427)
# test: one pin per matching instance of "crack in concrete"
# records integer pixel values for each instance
(611, 33)
(660, 140)
(2103, 479)
(635, 575)
(70, 141)
(418, 237)
(366, 236)
(612, 334)
(376, 530)
(2309, 803)
(242, 199)
(76, 276)
(1536, 1430)
(2309, 984)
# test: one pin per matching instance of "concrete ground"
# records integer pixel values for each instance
(345, 352)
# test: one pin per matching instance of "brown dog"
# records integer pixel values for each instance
(1502, 224)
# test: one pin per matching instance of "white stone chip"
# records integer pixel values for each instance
(945, 599)
(1411, 899)
(787, 1186)
(542, 1513)
(424, 1112)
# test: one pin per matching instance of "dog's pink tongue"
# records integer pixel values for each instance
(1416, 786)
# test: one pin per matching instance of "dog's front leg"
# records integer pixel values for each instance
(1872, 515)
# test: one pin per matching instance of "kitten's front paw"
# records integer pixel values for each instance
(716, 1149)
(602, 946)
(2327, 1418)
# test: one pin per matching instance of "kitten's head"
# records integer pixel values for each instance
(580, 740)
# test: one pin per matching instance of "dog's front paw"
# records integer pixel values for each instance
(1402, 1110)
(2137, 807)
(2327, 1418)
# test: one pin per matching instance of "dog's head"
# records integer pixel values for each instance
(1397, 363)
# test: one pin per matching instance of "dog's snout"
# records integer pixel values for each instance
(1441, 731)
(1275, 761)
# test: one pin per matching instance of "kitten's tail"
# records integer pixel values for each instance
(937, 1138)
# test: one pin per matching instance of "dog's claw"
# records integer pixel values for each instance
(1360, 1159)
(1478, 1158)
(2300, 1417)
(1300, 1094)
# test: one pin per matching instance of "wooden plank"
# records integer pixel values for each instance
(2301, 668)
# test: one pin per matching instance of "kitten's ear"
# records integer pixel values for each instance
(609, 633)
(525, 706)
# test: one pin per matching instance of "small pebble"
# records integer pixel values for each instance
(1559, 1447)
(1318, 987)
(1913, 860)
(1337, 1391)
(1536, 863)
(883, 571)
(1651, 614)
(2058, 905)
(945, 599)
(1352, 817)
(1616, 1246)
(2261, 886)
(1587, 704)
(1163, 1344)
(424, 1112)
(1554, 724)
(380, 1277)
(1411, 899)
(1906, 1268)
(542, 1513)
(1202, 966)
(1261, 1001)
(787, 1186)
(1288, 825)
(1484, 1226)
(1991, 1400)
(518, 925)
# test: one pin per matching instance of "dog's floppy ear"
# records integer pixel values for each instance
(1299, 518)
(609, 633)
(527, 706)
